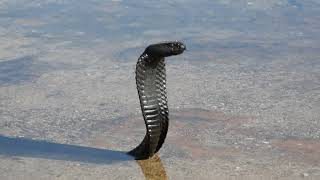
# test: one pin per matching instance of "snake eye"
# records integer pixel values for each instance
(171, 45)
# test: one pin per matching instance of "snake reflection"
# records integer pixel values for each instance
(152, 168)
(151, 86)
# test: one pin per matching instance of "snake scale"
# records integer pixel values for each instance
(151, 86)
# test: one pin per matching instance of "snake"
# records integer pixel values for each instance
(151, 86)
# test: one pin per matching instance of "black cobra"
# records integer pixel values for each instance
(151, 86)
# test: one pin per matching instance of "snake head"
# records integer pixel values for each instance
(165, 49)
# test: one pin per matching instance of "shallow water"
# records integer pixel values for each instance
(244, 99)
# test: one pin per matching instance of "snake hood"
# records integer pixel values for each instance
(165, 49)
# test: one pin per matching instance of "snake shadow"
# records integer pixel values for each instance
(23, 147)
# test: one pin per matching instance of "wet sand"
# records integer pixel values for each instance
(201, 143)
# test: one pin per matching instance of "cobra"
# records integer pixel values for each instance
(151, 86)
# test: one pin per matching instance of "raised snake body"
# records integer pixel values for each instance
(151, 86)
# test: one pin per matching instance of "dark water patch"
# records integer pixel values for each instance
(25, 69)
(19, 10)
(296, 4)
(22, 147)
(130, 20)
(17, 70)
(34, 34)
(61, 19)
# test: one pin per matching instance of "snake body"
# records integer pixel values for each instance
(151, 86)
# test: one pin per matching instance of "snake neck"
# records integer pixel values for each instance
(151, 87)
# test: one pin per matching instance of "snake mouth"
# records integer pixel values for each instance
(151, 86)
